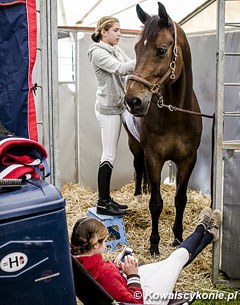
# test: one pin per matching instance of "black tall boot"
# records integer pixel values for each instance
(106, 205)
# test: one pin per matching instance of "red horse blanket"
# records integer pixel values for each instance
(22, 158)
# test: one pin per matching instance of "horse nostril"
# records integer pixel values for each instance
(136, 102)
(133, 103)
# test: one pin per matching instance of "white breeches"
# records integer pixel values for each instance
(110, 132)
(158, 279)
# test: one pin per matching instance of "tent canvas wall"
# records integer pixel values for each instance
(204, 18)
(79, 127)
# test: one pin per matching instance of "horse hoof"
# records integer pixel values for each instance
(154, 250)
(176, 242)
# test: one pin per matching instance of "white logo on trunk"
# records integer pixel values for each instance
(13, 262)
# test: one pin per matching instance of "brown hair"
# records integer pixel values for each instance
(86, 233)
(105, 23)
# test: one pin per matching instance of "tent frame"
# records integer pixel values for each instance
(220, 144)
(49, 85)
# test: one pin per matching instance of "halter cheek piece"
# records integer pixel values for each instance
(156, 87)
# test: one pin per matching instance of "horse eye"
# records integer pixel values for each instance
(161, 52)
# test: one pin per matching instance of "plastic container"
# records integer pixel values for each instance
(35, 264)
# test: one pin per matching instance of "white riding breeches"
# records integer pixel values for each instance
(158, 279)
(110, 132)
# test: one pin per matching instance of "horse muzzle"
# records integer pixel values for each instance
(136, 106)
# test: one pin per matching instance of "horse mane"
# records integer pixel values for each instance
(153, 26)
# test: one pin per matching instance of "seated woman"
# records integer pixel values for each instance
(128, 282)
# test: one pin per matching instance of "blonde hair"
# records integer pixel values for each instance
(86, 233)
(105, 23)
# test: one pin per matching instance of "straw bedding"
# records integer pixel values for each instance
(137, 222)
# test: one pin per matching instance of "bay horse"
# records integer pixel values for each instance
(160, 92)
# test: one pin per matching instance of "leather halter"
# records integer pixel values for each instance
(156, 87)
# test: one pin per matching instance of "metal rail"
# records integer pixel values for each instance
(49, 77)
(220, 144)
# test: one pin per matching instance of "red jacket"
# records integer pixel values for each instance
(108, 276)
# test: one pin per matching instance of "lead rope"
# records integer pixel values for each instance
(160, 104)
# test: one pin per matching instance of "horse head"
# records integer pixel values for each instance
(159, 60)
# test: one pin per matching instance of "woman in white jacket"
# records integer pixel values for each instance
(111, 66)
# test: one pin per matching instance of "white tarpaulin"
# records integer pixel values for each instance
(87, 13)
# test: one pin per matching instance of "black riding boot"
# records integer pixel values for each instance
(106, 205)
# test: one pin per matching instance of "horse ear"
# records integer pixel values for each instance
(163, 14)
(143, 17)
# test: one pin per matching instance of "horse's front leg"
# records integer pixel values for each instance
(184, 171)
(138, 163)
(155, 203)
